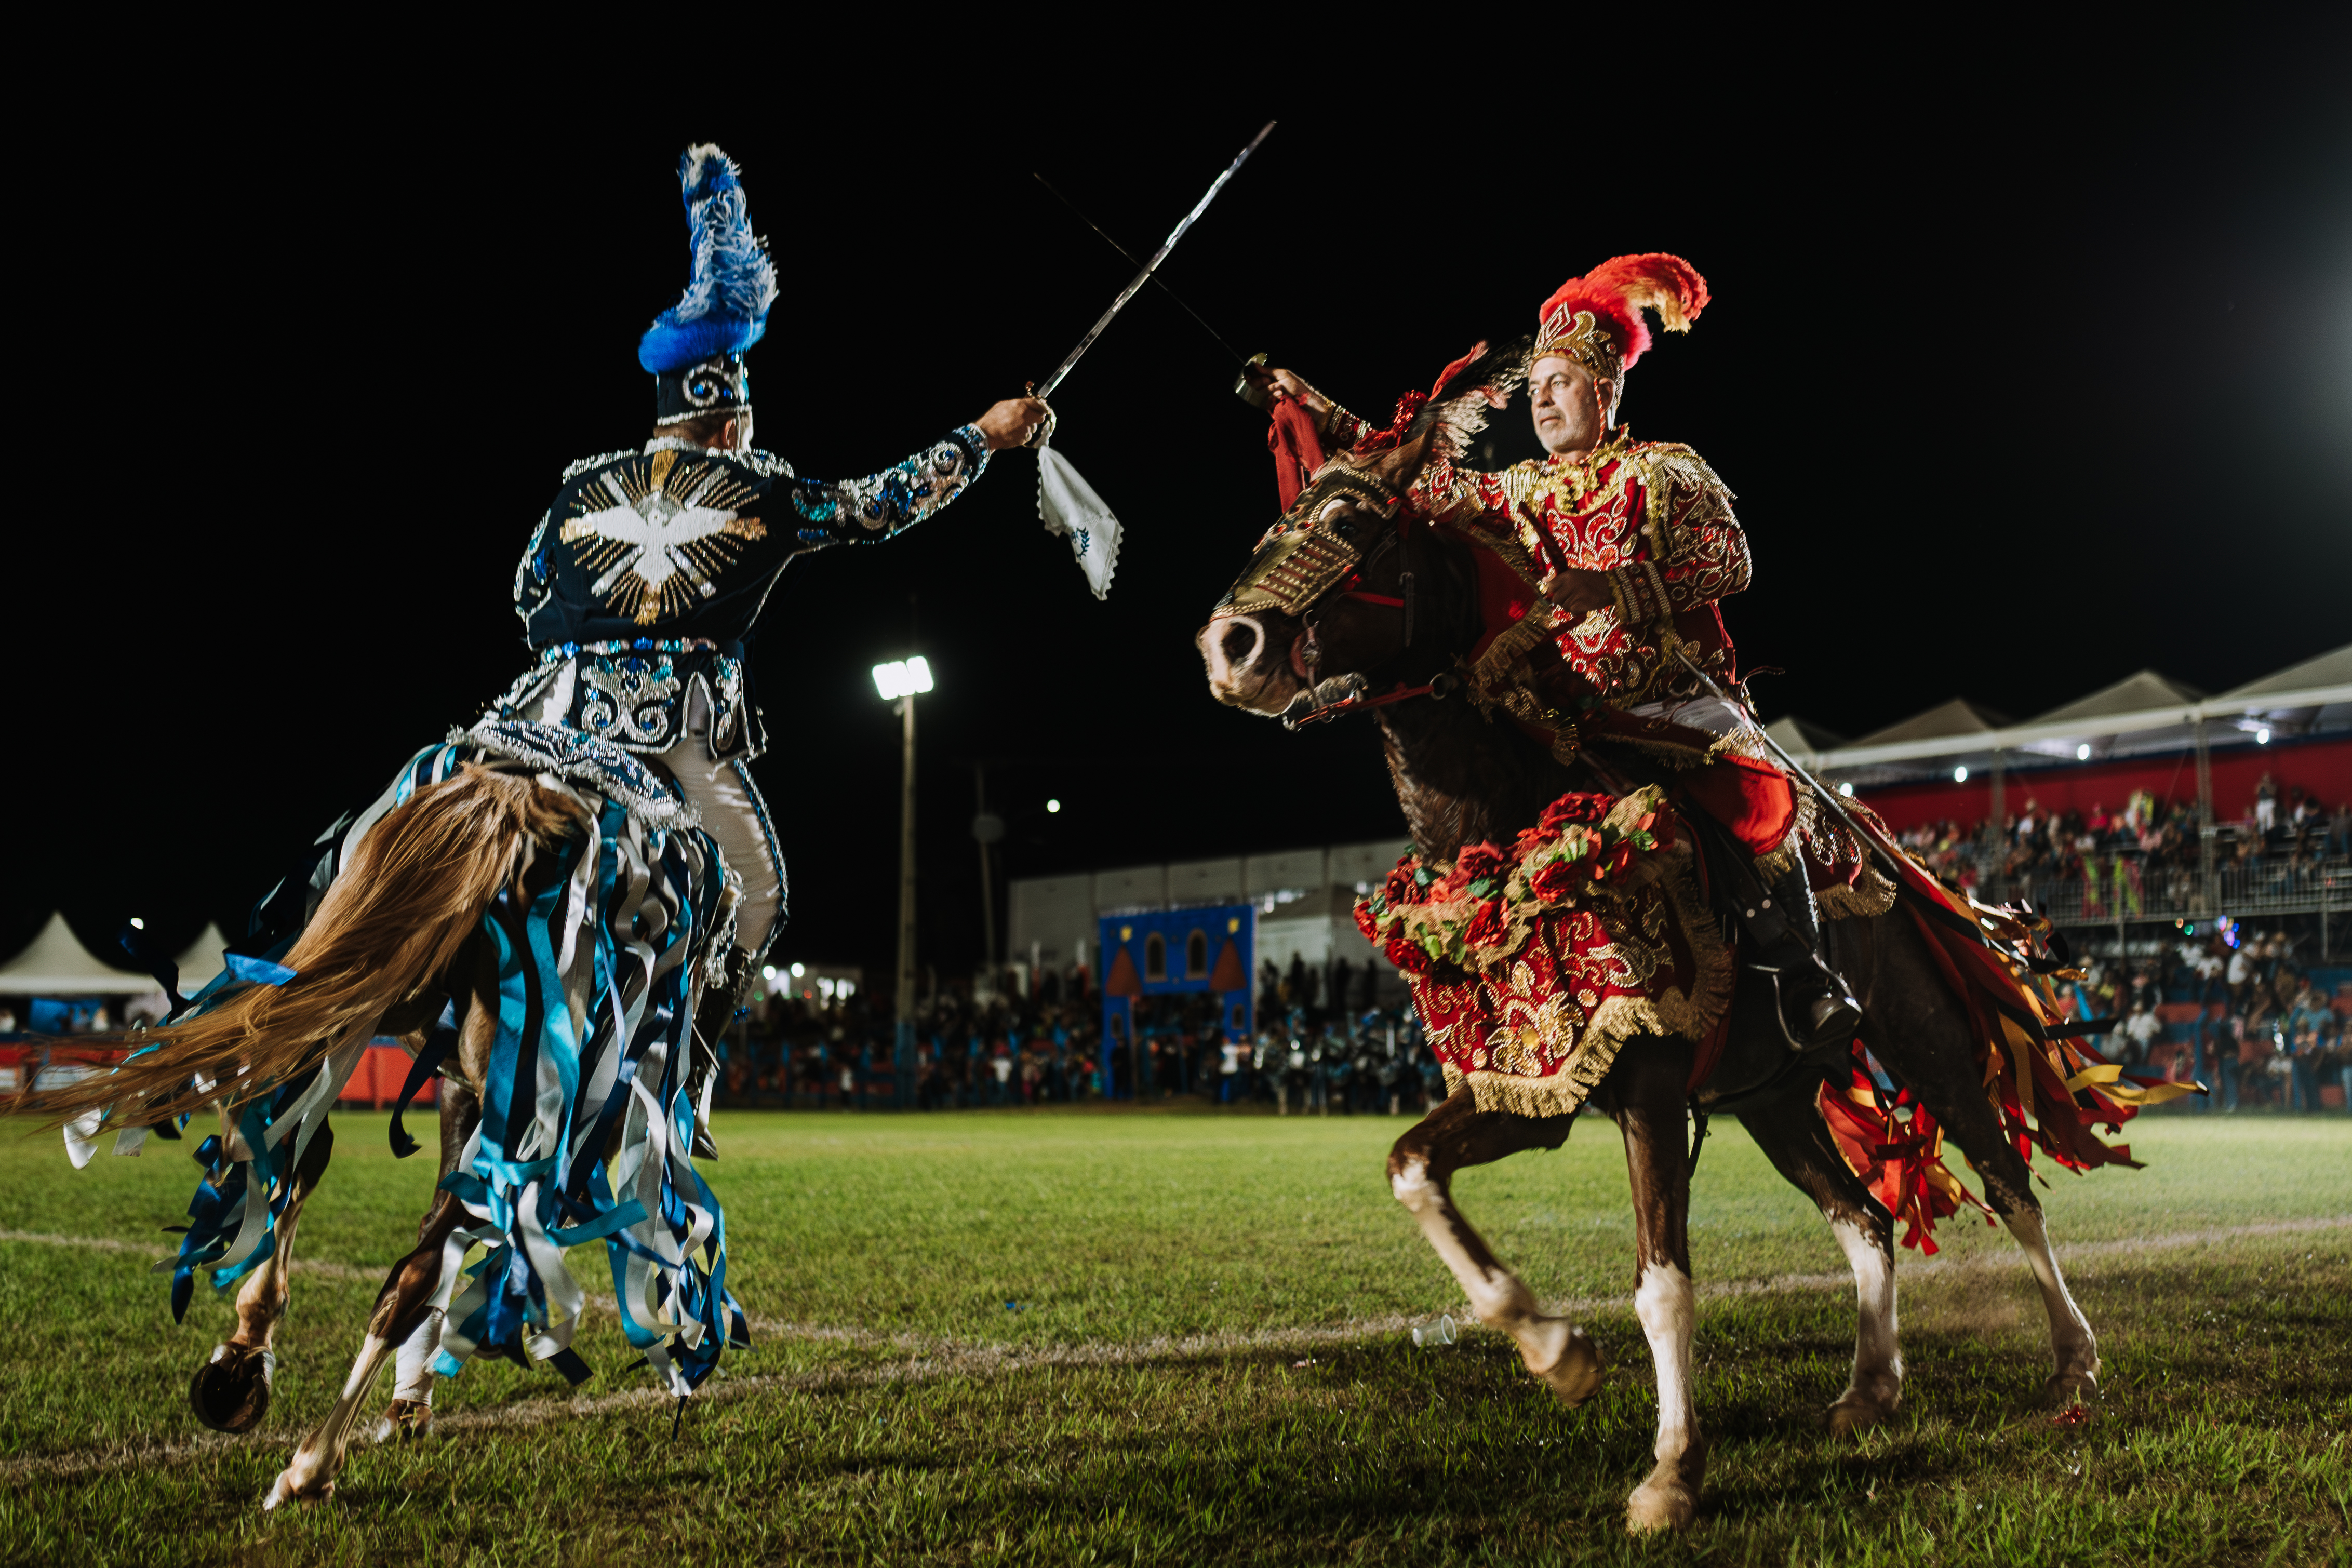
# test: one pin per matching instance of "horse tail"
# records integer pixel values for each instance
(387, 929)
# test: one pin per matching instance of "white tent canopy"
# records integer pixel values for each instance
(202, 961)
(2314, 696)
(57, 965)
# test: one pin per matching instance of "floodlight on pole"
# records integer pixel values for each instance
(899, 681)
(902, 677)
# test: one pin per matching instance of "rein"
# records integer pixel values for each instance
(1344, 694)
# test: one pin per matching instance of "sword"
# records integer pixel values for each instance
(1144, 276)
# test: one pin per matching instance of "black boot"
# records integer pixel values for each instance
(1817, 1011)
(1783, 940)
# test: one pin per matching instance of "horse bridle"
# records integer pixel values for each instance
(1303, 561)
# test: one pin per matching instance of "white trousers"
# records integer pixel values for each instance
(734, 815)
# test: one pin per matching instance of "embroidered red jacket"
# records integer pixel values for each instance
(1651, 515)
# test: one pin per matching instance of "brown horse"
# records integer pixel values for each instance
(1462, 780)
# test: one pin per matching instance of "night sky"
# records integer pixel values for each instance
(2025, 377)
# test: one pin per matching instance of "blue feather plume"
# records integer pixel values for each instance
(725, 308)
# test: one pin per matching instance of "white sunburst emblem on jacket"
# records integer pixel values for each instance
(667, 529)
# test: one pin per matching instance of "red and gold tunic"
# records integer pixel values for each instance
(1651, 515)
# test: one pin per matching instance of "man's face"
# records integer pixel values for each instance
(1566, 407)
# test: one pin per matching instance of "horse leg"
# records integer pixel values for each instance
(1456, 1134)
(230, 1392)
(410, 1414)
(1917, 1029)
(1797, 1141)
(405, 1306)
(1646, 1092)
(402, 1307)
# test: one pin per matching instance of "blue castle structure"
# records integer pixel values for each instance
(1175, 952)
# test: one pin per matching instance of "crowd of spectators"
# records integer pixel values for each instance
(2233, 1009)
(2107, 860)
(1322, 1045)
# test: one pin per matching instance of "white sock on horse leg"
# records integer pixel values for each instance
(1877, 1354)
(2071, 1340)
(1667, 1305)
(413, 1370)
(1500, 1298)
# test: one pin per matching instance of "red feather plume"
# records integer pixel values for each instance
(1619, 289)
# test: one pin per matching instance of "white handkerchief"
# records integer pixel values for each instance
(1070, 507)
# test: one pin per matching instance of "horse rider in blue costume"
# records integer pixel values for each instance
(639, 592)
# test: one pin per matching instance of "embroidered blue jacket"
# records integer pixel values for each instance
(641, 586)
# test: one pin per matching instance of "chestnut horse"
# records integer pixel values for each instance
(1462, 780)
(400, 936)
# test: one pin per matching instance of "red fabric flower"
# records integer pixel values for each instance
(1614, 860)
(1530, 840)
(1450, 885)
(1660, 823)
(1581, 807)
(1366, 922)
(1556, 880)
(1487, 927)
(1479, 860)
(1401, 889)
(1407, 954)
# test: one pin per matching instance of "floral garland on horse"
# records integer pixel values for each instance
(1532, 965)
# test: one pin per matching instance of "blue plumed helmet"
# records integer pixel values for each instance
(724, 309)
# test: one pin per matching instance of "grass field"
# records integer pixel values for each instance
(1182, 1337)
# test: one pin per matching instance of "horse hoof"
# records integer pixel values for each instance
(1575, 1377)
(2071, 1388)
(283, 1490)
(404, 1422)
(1660, 1505)
(1856, 1411)
(230, 1392)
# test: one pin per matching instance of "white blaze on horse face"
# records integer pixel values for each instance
(1877, 1357)
(1224, 669)
(2071, 1340)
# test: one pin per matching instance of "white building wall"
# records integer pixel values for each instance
(1360, 867)
(1055, 917)
(1205, 881)
(1050, 917)
(1138, 887)
(1293, 871)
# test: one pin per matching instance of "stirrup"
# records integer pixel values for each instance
(1836, 995)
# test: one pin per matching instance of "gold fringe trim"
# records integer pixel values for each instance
(1869, 897)
(1691, 1013)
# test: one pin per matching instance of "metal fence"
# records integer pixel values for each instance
(2175, 893)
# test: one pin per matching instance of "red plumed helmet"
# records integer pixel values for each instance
(1596, 320)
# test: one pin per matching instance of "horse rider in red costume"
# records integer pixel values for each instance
(1634, 544)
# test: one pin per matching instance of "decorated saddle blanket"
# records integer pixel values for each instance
(1532, 965)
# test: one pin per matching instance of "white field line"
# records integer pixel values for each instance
(144, 1250)
(929, 1358)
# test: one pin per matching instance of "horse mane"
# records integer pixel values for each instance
(412, 892)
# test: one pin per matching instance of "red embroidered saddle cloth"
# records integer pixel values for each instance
(1532, 965)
